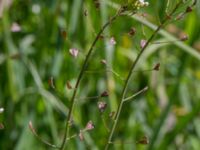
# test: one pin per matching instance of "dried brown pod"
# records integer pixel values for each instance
(104, 94)
(1, 126)
(144, 141)
(80, 135)
(132, 31)
(157, 67)
(188, 9)
(68, 85)
(64, 34)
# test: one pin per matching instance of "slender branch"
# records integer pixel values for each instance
(136, 94)
(109, 141)
(106, 70)
(104, 123)
(39, 138)
(66, 132)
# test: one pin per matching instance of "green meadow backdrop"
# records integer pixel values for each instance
(37, 70)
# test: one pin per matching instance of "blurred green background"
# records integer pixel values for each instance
(32, 50)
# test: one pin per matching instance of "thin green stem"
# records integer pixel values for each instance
(136, 94)
(83, 69)
(116, 119)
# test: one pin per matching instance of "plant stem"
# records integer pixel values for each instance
(136, 94)
(116, 119)
(83, 69)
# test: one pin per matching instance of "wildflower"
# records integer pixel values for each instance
(140, 3)
(15, 27)
(89, 125)
(1, 110)
(102, 106)
(143, 43)
(73, 52)
(112, 41)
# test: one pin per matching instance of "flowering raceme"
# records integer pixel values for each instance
(133, 4)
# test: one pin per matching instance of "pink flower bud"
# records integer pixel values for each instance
(15, 27)
(89, 125)
(102, 106)
(112, 41)
(143, 43)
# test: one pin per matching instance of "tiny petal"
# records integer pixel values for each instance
(112, 41)
(73, 52)
(89, 125)
(102, 106)
(15, 27)
(143, 43)
(1, 110)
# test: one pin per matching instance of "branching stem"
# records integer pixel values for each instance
(116, 119)
(83, 69)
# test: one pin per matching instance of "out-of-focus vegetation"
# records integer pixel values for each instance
(33, 51)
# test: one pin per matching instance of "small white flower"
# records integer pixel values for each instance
(112, 41)
(143, 43)
(74, 52)
(15, 27)
(1, 110)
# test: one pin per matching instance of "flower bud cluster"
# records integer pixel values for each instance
(141, 3)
